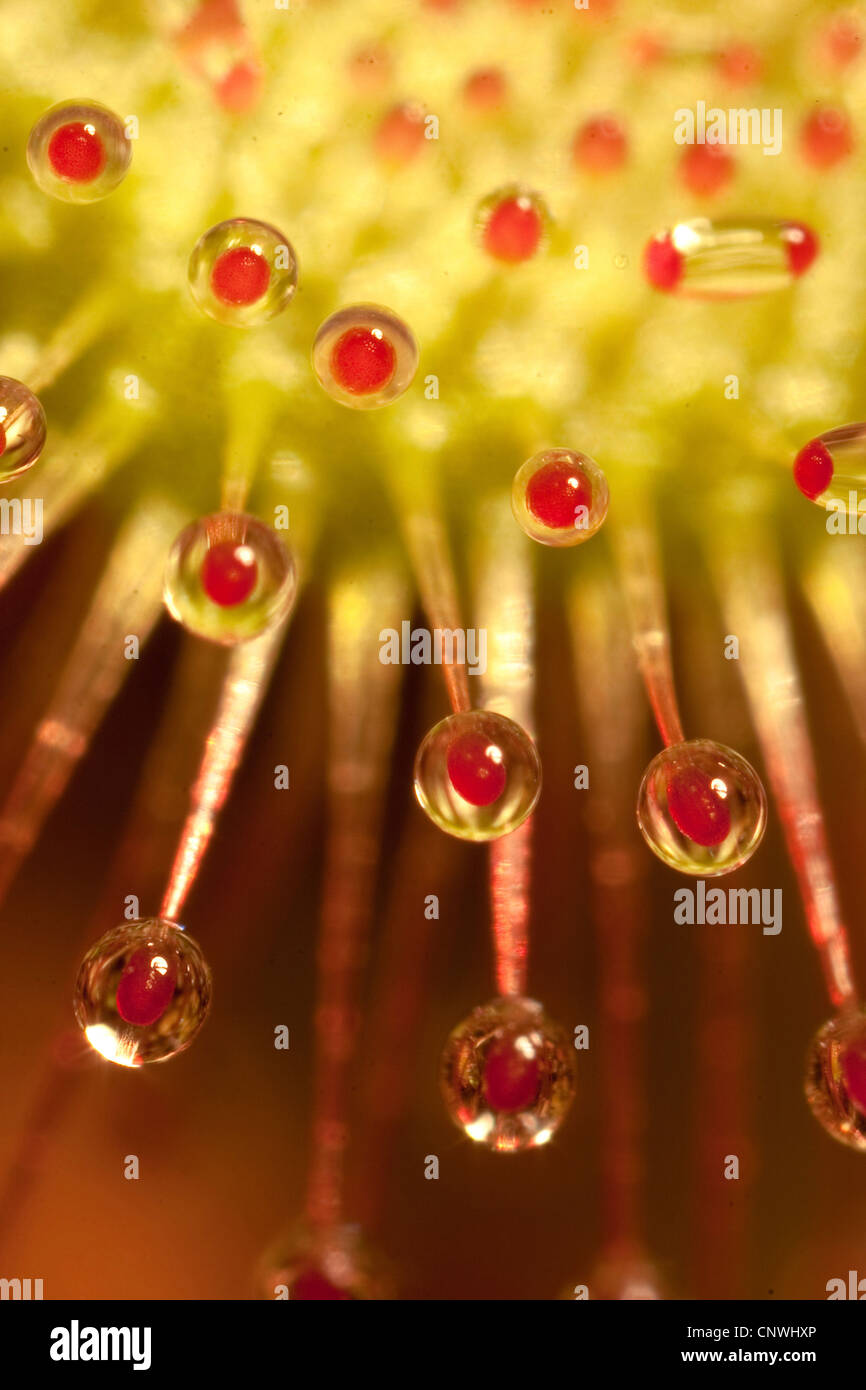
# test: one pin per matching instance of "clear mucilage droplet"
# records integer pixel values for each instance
(229, 578)
(560, 497)
(836, 1078)
(831, 469)
(477, 775)
(243, 272)
(701, 808)
(78, 151)
(22, 428)
(508, 1075)
(725, 259)
(143, 992)
(364, 356)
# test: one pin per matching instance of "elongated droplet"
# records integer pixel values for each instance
(724, 259)
(831, 469)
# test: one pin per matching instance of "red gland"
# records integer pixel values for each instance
(556, 491)
(240, 275)
(854, 1073)
(600, 146)
(241, 87)
(485, 90)
(706, 169)
(663, 263)
(698, 808)
(229, 573)
(741, 64)
(813, 469)
(512, 1074)
(513, 230)
(363, 361)
(476, 769)
(801, 245)
(146, 987)
(76, 153)
(400, 136)
(2, 440)
(826, 137)
(844, 41)
(311, 1285)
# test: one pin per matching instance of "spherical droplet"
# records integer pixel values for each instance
(333, 1265)
(78, 151)
(365, 356)
(836, 1078)
(727, 259)
(229, 578)
(560, 497)
(477, 775)
(831, 469)
(508, 1075)
(600, 145)
(826, 137)
(702, 808)
(143, 992)
(511, 224)
(22, 428)
(706, 170)
(243, 272)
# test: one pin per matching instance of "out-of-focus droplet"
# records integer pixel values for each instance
(78, 151)
(22, 428)
(706, 170)
(600, 145)
(508, 1075)
(365, 356)
(242, 272)
(334, 1265)
(401, 134)
(229, 578)
(831, 469)
(702, 808)
(740, 64)
(511, 224)
(826, 137)
(560, 497)
(477, 775)
(836, 1078)
(485, 90)
(724, 259)
(143, 992)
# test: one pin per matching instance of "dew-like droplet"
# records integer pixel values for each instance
(724, 259)
(333, 1265)
(78, 151)
(560, 497)
(229, 578)
(831, 469)
(365, 356)
(511, 224)
(826, 137)
(600, 145)
(477, 775)
(836, 1078)
(143, 992)
(508, 1075)
(243, 272)
(702, 808)
(22, 428)
(706, 170)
